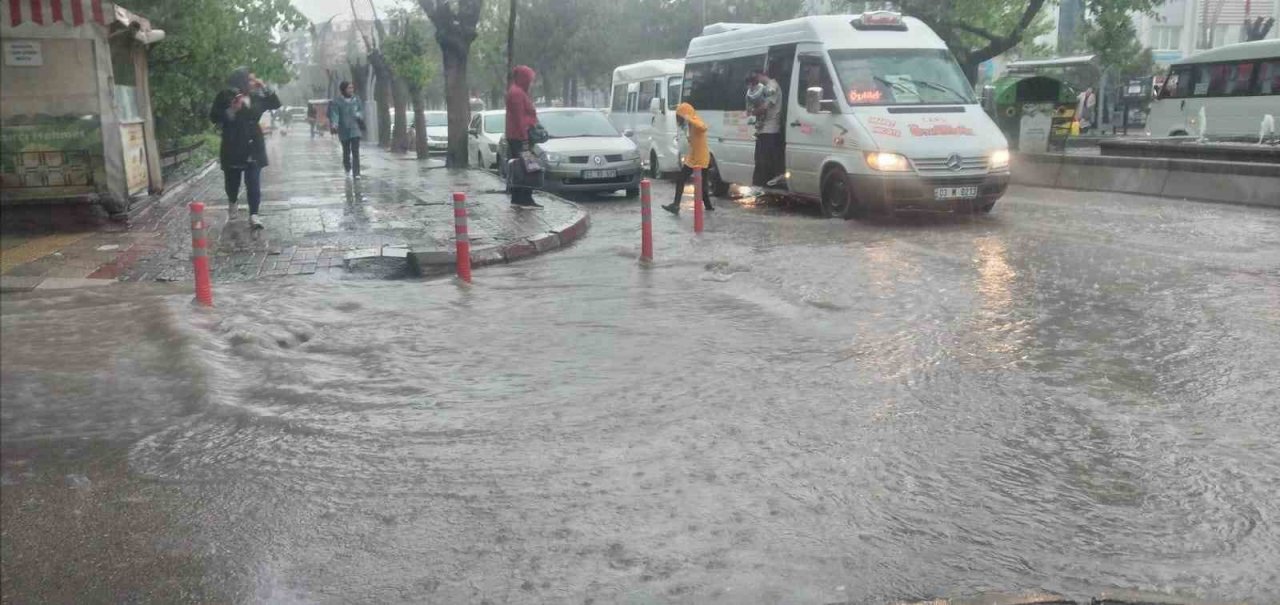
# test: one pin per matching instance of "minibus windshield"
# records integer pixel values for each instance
(900, 77)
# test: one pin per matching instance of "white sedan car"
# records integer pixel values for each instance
(437, 131)
(585, 153)
(483, 136)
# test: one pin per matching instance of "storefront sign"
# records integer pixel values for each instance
(23, 53)
(135, 158)
(51, 156)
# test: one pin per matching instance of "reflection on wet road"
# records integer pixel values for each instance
(1076, 394)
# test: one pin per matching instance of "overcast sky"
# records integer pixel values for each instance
(321, 10)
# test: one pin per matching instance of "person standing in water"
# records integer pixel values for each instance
(699, 157)
(346, 119)
(238, 110)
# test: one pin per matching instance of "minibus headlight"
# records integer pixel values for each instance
(887, 162)
(999, 159)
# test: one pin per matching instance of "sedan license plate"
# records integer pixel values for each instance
(599, 174)
(955, 193)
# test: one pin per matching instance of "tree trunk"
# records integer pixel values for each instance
(381, 94)
(400, 131)
(360, 79)
(455, 95)
(420, 118)
(511, 40)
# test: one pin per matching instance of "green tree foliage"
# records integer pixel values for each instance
(411, 50)
(978, 30)
(206, 39)
(1108, 32)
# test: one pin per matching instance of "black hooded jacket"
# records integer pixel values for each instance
(242, 138)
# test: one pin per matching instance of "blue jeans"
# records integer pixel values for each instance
(252, 175)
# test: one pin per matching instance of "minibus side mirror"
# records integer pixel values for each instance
(473, 132)
(655, 105)
(813, 100)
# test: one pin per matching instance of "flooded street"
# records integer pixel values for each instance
(1076, 393)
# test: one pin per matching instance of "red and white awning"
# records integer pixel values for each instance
(68, 13)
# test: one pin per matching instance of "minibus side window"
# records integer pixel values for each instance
(620, 98)
(1268, 78)
(673, 93)
(814, 73)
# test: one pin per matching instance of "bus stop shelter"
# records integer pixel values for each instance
(75, 104)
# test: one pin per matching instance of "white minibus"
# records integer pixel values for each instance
(645, 96)
(876, 114)
(1237, 85)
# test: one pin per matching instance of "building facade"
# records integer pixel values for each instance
(1182, 28)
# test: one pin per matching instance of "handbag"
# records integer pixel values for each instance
(525, 171)
(360, 123)
(538, 134)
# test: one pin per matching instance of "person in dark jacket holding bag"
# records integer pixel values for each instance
(521, 116)
(238, 110)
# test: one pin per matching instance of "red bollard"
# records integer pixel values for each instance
(697, 200)
(646, 222)
(464, 240)
(200, 256)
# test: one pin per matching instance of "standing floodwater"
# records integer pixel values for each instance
(1076, 394)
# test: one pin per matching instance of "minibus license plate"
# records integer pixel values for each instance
(599, 174)
(955, 193)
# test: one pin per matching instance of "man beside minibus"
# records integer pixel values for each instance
(768, 115)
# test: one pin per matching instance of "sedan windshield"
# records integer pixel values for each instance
(495, 123)
(585, 123)
(437, 119)
(901, 77)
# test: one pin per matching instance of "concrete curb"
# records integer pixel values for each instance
(1201, 180)
(437, 262)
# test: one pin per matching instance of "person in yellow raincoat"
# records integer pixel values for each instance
(699, 156)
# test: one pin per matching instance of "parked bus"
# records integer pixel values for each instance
(644, 100)
(1236, 85)
(876, 113)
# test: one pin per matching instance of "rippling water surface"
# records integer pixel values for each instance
(1067, 396)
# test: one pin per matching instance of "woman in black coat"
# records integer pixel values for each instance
(237, 110)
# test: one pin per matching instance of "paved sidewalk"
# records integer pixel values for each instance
(318, 223)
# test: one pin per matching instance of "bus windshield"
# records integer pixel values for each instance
(901, 77)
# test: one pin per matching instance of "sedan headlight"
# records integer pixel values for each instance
(552, 158)
(493, 147)
(999, 159)
(634, 154)
(887, 162)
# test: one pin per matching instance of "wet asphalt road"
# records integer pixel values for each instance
(1076, 393)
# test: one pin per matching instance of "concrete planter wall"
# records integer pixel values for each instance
(1209, 181)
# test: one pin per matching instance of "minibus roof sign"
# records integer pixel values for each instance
(880, 20)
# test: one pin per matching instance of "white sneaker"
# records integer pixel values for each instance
(255, 222)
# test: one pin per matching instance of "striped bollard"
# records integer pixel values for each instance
(200, 255)
(463, 238)
(646, 222)
(697, 200)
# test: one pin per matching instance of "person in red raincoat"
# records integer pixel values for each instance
(521, 116)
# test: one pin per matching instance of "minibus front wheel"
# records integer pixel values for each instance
(837, 195)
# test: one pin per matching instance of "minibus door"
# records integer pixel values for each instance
(812, 132)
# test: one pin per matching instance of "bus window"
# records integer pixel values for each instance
(647, 90)
(620, 98)
(1178, 84)
(1268, 78)
(1239, 76)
